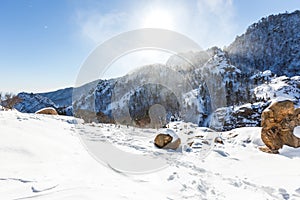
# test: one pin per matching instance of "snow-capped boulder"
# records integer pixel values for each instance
(173, 145)
(278, 123)
(47, 111)
(169, 140)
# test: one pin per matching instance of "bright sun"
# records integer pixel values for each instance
(158, 19)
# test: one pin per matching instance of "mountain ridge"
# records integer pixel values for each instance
(220, 82)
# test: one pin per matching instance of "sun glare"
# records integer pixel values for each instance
(158, 19)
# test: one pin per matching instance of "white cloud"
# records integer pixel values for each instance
(98, 27)
(208, 22)
(216, 6)
(214, 23)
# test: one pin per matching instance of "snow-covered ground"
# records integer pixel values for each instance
(43, 157)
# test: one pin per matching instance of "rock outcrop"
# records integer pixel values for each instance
(278, 123)
(246, 115)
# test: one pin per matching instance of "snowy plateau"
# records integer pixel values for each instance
(45, 156)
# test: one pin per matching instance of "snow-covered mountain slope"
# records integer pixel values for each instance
(187, 62)
(62, 97)
(273, 43)
(222, 80)
(279, 88)
(128, 99)
(30, 103)
(43, 158)
(272, 89)
(33, 102)
(219, 85)
(230, 86)
(196, 90)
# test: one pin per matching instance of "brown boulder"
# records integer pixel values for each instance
(161, 140)
(278, 123)
(47, 111)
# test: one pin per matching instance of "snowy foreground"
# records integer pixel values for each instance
(43, 157)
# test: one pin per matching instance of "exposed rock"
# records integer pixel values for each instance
(173, 145)
(103, 118)
(47, 111)
(278, 123)
(219, 140)
(142, 122)
(247, 115)
(86, 115)
(65, 110)
(161, 140)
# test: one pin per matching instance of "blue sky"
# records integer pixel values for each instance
(43, 43)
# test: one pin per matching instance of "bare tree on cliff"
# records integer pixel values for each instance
(10, 100)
